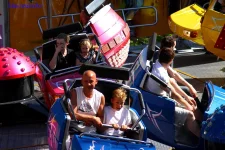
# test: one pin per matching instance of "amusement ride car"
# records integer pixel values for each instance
(111, 34)
(59, 118)
(202, 26)
(159, 118)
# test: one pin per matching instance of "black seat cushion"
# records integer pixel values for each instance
(75, 40)
(48, 50)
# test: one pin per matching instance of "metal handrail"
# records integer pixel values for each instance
(31, 98)
(207, 3)
(123, 15)
(63, 73)
(56, 16)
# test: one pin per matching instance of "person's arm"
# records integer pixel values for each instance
(180, 99)
(81, 117)
(53, 61)
(128, 123)
(174, 74)
(100, 112)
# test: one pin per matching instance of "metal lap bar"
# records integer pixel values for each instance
(37, 53)
(123, 15)
(64, 69)
(31, 98)
(46, 68)
(142, 107)
(114, 138)
(66, 72)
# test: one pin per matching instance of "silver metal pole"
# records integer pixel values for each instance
(6, 23)
(49, 13)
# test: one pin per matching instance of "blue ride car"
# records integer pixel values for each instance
(159, 117)
(61, 114)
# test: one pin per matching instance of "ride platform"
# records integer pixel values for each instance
(198, 67)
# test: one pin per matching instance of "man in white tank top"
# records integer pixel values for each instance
(88, 103)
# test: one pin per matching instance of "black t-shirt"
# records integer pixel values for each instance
(67, 61)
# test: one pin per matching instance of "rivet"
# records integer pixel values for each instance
(19, 62)
(27, 59)
(5, 65)
(22, 69)
(32, 66)
(221, 38)
(9, 53)
(6, 73)
(4, 59)
(2, 54)
(21, 54)
(14, 57)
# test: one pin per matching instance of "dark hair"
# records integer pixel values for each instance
(166, 55)
(167, 41)
(63, 36)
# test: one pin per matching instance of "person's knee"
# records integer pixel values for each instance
(172, 81)
(191, 116)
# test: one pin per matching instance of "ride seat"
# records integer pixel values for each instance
(74, 42)
(48, 50)
(182, 134)
(106, 89)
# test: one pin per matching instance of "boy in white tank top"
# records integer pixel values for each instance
(117, 115)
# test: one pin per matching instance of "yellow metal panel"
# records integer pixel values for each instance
(189, 17)
(188, 20)
(212, 24)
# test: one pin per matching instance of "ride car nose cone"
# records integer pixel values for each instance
(10, 60)
(16, 76)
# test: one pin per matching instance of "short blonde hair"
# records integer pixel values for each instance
(86, 42)
(120, 93)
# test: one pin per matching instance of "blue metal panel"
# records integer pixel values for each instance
(159, 118)
(56, 126)
(84, 143)
(213, 129)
